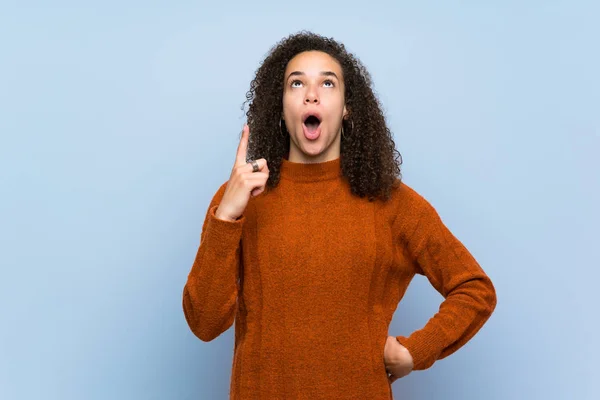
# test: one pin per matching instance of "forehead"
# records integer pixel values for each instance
(313, 62)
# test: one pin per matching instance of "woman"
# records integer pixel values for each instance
(311, 245)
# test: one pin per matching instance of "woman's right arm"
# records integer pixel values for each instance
(210, 293)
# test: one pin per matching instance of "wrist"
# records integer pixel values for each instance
(222, 216)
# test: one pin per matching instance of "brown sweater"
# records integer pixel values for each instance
(312, 276)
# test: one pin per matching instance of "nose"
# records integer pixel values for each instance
(311, 97)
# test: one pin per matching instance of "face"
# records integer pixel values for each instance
(313, 106)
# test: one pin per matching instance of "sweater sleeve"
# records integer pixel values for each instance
(210, 293)
(469, 295)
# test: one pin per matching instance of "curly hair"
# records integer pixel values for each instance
(369, 159)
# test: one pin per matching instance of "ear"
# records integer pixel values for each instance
(345, 112)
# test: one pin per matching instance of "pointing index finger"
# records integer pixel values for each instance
(242, 149)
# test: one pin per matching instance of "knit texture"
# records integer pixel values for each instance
(312, 275)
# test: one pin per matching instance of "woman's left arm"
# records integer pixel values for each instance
(469, 295)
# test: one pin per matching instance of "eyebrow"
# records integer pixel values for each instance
(323, 73)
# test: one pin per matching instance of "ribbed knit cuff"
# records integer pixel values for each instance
(223, 234)
(423, 345)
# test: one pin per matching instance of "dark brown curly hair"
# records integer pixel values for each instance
(369, 159)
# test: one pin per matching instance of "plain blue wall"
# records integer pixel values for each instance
(119, 122)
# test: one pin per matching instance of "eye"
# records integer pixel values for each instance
(293, 82)
(330, 81)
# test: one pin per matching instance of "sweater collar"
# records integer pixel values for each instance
(310, 172)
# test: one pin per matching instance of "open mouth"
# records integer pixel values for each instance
(312, 123)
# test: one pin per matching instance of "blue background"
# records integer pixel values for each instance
(119, 121)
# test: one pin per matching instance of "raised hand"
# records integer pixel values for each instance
(242, 183)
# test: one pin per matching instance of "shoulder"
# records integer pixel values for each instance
(415, 219)
(408, 202)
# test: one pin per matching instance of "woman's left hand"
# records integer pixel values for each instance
(397, 359)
